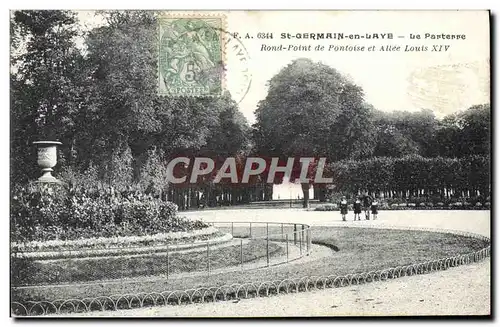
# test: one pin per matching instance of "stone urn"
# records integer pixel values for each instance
(47, 159)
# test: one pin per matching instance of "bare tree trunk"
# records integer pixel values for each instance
(319, 192)
(305, 189)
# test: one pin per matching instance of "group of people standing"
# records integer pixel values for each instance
(364, 203)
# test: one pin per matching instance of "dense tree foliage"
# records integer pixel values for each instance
(47, 78)
(465, 133)
(312, 110)
(102, 102)
(461, 134)
(403, 133)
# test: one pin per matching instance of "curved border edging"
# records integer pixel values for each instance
(132, 250)
(58, 245)
(251, 290)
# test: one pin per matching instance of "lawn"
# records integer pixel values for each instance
(353, 250)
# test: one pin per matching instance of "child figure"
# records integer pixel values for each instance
(367, 200)
(374, 208)
(343, 208)
(357, 209)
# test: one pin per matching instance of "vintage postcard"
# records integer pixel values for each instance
(250, 163)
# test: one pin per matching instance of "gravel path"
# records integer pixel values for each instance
(463, 290)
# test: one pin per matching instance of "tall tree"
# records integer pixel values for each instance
(128, 113)
(474, 124)
(465, 133)
(401, 133)
(312, 110)
(46, 66)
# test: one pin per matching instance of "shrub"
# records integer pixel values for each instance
(412, 173)
(392, 201)
(334, 197)
(479, 204)
(326, 207)
(418, 199)
(37, 210)
(440, 204)
(41, 213)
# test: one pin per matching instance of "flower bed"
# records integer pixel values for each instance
(164, 247)
(160, 239)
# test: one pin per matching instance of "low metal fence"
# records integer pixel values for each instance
(294, 238)
(254, 245)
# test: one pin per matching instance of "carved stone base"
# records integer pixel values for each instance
(47, 177)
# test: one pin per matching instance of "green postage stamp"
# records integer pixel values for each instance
(190, 55)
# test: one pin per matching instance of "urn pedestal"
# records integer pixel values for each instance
(47, 159)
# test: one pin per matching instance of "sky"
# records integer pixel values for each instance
(444, 82)
(441, 81)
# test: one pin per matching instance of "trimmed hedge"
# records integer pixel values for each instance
(42, 213)
(414, 176)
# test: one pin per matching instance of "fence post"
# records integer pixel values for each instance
(267, 242)
(250, 230)
(310, 238)
(208, 257)
(232, 228)
(302, 238)
(307, 241)
(300, 244)
(241, 253)
(282, 232)
(267, 250)
(308, 234)
(286, 247)
(294, 234)
(168, 259)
